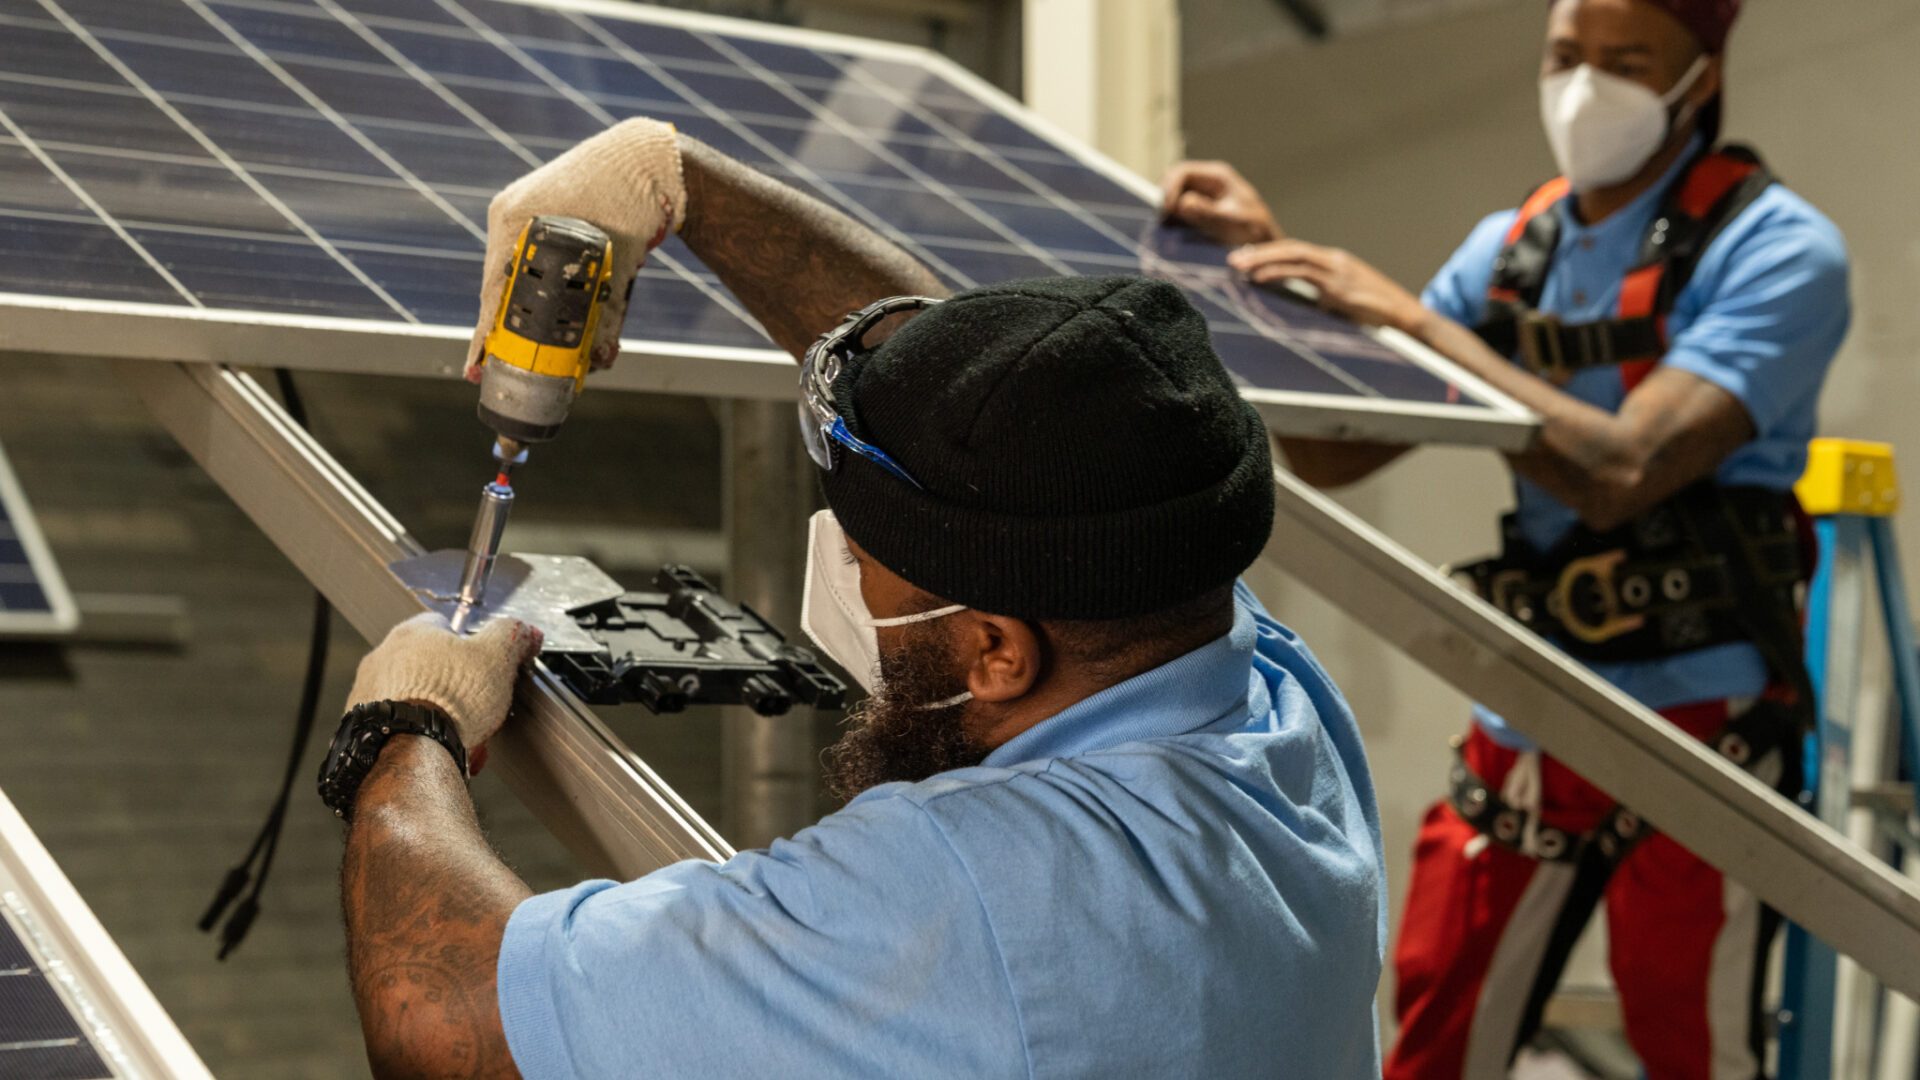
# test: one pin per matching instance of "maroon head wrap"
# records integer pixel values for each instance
(1709, 20)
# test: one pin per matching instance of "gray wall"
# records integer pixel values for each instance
(1393, 143)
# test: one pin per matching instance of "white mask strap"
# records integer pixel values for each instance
(958, 699)
(1686, 81)
(903, 620)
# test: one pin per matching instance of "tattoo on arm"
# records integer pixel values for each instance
(797, 264)
(426, 904)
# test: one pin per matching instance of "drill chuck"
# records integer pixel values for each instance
(523, 405)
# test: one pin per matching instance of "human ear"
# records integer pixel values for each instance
(1004, 655)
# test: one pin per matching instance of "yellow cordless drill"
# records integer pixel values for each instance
(534, 363)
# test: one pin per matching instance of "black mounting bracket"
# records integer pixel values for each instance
(681, 643)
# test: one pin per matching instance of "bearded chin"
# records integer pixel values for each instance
(893, 735)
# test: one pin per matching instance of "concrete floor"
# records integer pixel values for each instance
(146, 771)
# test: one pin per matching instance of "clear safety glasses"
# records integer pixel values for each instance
(821, 426)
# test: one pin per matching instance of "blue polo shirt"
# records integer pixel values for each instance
(1179, 876)
(1762, 317)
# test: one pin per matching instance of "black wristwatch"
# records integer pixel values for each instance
(364, 732)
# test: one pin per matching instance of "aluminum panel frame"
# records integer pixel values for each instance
(603, 802)
(126, 1024)
(1789, 859)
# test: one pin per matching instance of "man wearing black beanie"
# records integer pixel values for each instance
(1107, 817)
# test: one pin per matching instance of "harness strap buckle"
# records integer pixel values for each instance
(1538, 333)
(1573, 614)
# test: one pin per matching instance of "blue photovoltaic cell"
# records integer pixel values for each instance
(39, 1038)
(20, 591)
(964, 184)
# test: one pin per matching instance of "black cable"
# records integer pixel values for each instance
(1308, 17)
(267, 842)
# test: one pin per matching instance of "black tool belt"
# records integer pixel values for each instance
(1745, 741)
(1663, 584)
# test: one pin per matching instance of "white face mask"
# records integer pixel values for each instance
(1603, 128)
(834, 614)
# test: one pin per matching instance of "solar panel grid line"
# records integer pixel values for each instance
(879, 149)
(593, 109)
(335, 63)
(447, 188)
(1272, 328)
(685, 19)
(405, 63)
(262, 167)
(266, 238)
(28, 143)
(346, 126)
(990, 154)
(759, 142)
(261, 107)
(519, 149)
(470, 80)
(193, 131)
(1512, 413)
(1148, 261)
(627, 15)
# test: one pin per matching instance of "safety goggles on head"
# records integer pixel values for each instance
(821, 426)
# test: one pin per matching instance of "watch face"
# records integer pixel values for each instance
(363, 733)
(347, 762)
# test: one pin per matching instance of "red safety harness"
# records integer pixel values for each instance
(1709, 565)
(1716, 188)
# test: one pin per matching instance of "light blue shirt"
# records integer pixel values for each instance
(1761, 318)
(1179, 876)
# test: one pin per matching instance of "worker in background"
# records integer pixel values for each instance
(1108, 817)
(1670, 313)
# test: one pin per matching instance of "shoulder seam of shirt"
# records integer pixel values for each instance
(1767, 221)
(993, 934)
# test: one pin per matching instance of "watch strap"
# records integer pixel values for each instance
(365, 731)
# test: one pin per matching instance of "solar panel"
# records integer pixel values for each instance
(33, 597)
(71, 1008)
(39, 1035)
(300, 161)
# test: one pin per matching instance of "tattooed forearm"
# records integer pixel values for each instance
(426, 903)
(796, 263)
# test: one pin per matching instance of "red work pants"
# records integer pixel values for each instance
(1487, 932)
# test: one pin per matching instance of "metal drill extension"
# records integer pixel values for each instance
(483, 546)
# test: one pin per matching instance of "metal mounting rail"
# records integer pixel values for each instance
(1788, 858)
(612, 811)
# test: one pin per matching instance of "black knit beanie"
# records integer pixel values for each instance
(1083, 453)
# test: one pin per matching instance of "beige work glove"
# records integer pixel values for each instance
(468, 678)
(626, 180)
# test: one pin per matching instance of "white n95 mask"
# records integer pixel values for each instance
(835, 615)
(1604, 128)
